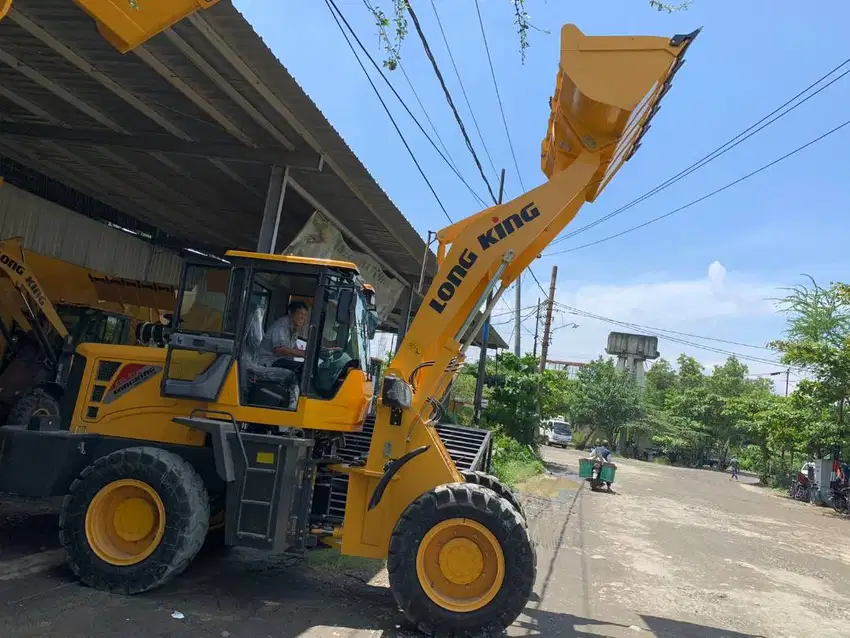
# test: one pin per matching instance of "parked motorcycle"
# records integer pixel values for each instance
(799, 489)
(840, 498)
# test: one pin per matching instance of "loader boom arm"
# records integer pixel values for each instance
(607, 90)
(13, 264)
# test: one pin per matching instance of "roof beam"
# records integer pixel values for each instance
(221, 82)
(83, 65)
(196, 98)
(249, 76)
(38, 162)
(164, 143)
(95, 173)
(54, 88)
(105, 189)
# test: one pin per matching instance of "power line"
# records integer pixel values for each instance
(448, 95)
(334, 10)
(539, 285)
(447, 160)
(462, 88)
(676, 332)
(685, 334)
(498, 96)
(425, 113)
(678, 340)
(720, 150)
(707, 195)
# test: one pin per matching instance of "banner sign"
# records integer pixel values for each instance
(320, 239)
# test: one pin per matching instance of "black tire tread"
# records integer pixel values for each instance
(464, 500)
(28, 403)
(187, 519)
(493, 483)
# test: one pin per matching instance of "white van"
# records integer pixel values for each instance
(556, 432)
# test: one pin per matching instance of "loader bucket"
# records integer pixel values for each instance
(131, 23)
(607, 90)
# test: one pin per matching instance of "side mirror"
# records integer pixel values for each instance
(345, 306)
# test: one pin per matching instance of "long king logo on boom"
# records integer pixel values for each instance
(501, 229)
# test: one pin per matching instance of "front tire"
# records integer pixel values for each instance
(491, 482)
(134, 520)
(461, 562)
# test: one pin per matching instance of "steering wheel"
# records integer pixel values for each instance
(331, 354)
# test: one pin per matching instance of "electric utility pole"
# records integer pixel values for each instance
(485, 334)
(517, 320)
(536, 326)
(544, 348)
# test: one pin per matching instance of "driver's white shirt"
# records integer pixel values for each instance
(279, 335)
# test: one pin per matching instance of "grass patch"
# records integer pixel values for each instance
(661, 460)
(514, 462)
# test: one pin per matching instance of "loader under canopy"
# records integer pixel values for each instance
(234, 422)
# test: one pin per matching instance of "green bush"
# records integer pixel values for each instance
(579, 440)
(513, 461)
(772, 471)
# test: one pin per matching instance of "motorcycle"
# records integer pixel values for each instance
(840, 498)
(802, 488)
(597, 472)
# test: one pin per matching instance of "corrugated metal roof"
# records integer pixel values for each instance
(210, 80)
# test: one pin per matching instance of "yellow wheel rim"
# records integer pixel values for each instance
(460, 565)
(125, 522)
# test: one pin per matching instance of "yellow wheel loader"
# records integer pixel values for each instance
(41, 318)
(283, 447)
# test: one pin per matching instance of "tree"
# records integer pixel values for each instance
(392, 25)
(661, 380)
(818, 340)
(556, 389)
(514, 396)
(604, 399)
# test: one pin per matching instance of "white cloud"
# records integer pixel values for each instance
(674, 302)
(728, 305)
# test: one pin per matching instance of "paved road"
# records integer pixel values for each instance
(674, 552)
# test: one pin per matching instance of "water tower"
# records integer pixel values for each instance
(631, 351)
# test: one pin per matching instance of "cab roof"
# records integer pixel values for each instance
(292, 259)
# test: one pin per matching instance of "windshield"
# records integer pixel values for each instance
(344, 344)
(562, 428)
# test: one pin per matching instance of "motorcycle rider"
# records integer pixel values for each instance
(601, 455)
(603, 452)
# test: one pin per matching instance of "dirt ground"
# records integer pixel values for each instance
(674, 552)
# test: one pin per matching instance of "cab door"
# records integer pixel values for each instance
(202, 346)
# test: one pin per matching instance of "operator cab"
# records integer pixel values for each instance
(226, 311)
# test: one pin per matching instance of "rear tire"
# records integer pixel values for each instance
(31, 403)
(134, 520)
(461, 562)
(491, 482)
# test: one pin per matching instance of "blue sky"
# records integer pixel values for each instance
(750, 57)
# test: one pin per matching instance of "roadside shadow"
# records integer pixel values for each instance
(538, 622)
(680, 629)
